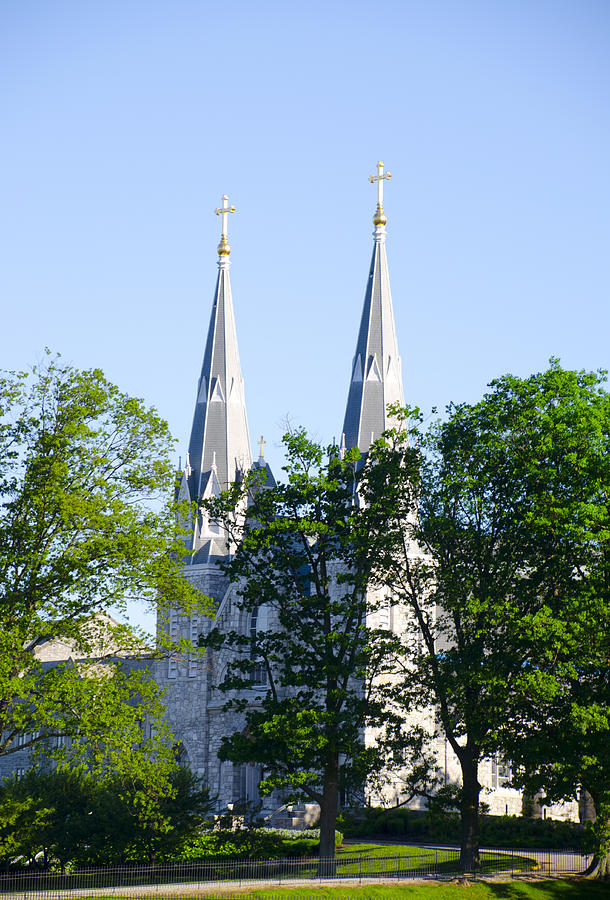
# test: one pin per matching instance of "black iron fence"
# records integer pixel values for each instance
(194, 879)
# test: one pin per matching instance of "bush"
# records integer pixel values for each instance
(69, 818)
(434, 825)
(250, 843)
(515, 831)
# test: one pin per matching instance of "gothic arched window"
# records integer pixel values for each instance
(258, 622)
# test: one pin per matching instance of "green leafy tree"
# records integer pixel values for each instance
(564, 746)
(489, 546)
(180, 814)
(302, 569)
(69, 817)
(62, 818)
(85, 528)
(566, 750)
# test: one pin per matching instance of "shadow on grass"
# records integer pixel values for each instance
(518, 890)
(576, 889)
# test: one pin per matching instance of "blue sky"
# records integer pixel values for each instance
(124, 122)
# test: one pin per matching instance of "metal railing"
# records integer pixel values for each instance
(184, 879)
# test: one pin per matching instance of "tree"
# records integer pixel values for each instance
(489, 546)
(566, 750)
(85, 527)
(180, 814)
(72, 817)
(302, 570)
(563, 746)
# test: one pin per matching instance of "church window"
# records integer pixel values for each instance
(501, 772)
(384, 614)
(194, 638)
(246, 779)
(172, 663)
(180, 754)
(258, 623)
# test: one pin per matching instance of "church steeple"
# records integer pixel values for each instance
(376, 369)
(219, 447)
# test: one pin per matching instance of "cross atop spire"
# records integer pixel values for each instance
(224, 248)
(379, 218)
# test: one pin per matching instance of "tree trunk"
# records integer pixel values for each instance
(328, 817)
(600, 867)
(469, 809)
(600, 864)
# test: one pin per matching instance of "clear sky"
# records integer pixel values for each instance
(124, 122)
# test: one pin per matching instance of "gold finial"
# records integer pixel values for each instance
(261, 445)
(380, 217)
(224, 210)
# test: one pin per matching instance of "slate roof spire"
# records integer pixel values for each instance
(376, 368)
(219, 448)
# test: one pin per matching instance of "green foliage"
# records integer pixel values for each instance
(84, 528)
(253, 843)
(70, 818)
(495, 831)
(303, 561)
(492, 527)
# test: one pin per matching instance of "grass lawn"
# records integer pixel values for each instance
(421, 859)
(575, 889)
(516, 890)
(370, 849)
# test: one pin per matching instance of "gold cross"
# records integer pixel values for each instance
(379, 178)
(224, 210)
(261, 444)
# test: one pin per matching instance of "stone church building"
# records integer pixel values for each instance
(218, 454)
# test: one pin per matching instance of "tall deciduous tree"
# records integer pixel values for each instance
(85, 527)
(563, 746)
(302, 570)
(490, 548)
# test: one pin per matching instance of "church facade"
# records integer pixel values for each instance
(218, 454)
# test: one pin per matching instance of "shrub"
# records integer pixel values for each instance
(250, 843)
(436, 825)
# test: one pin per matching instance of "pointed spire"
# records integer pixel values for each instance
(219, 447)
(376, 371)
